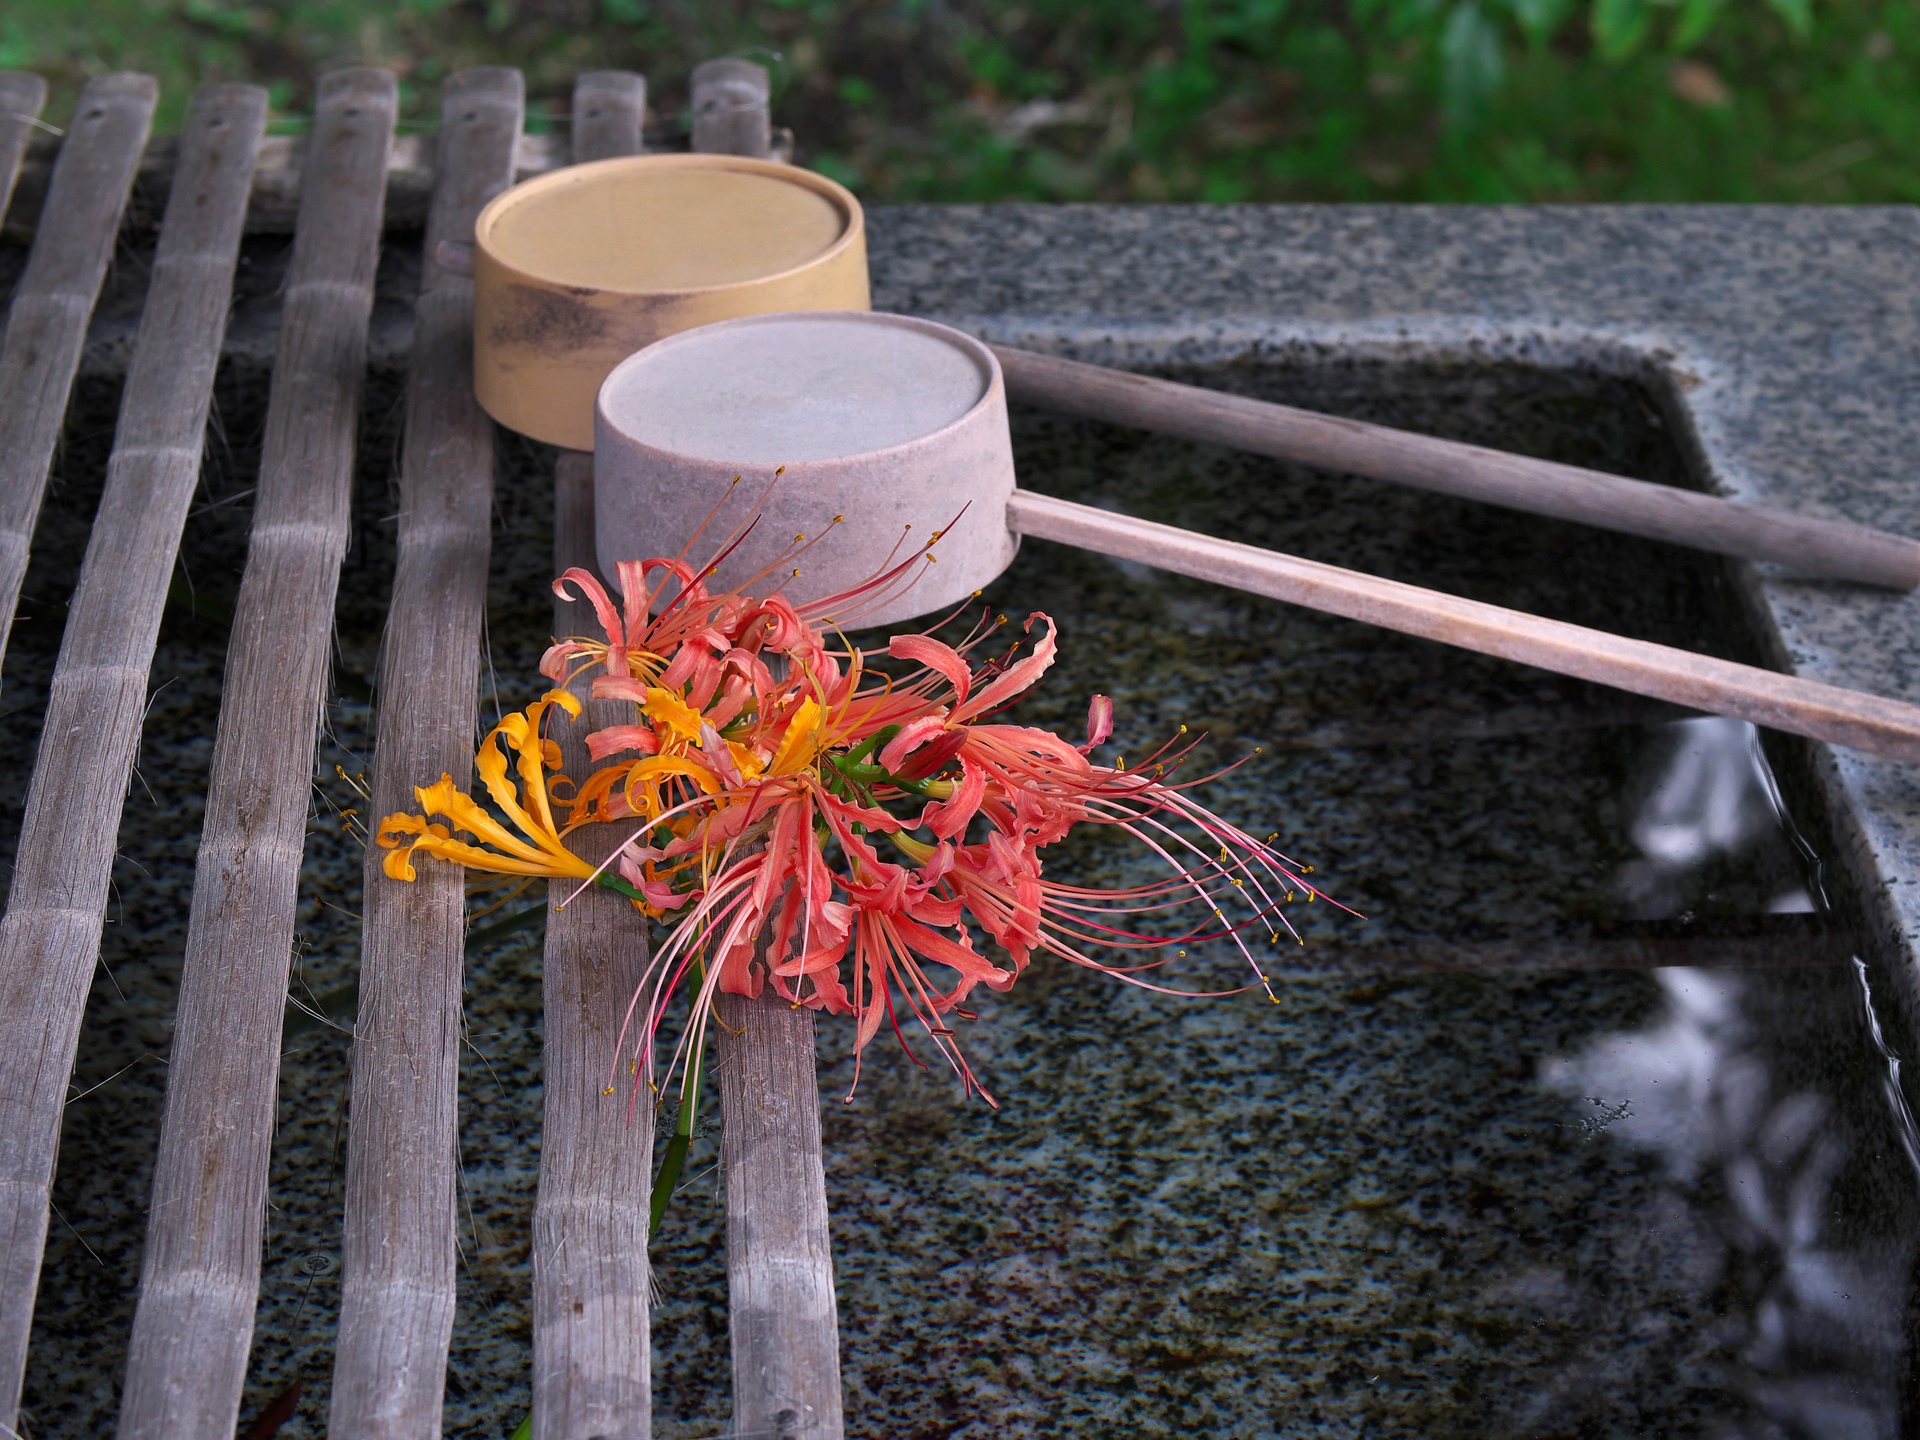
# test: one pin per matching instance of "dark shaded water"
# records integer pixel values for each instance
(1485, 1170)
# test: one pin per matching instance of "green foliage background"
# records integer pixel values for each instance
(1805, 100)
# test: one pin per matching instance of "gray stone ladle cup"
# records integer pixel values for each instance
(890, 429)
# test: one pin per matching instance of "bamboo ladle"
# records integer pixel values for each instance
(680, 417)
(1812, 546)
(1853, 718)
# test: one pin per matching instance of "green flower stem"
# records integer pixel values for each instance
(607, 880)
(675, 1159)
(682, 1139)
(873, 742)
(670, 1166)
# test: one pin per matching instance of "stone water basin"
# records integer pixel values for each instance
(1592, 1127)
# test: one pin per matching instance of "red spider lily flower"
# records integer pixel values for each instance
(766, 768)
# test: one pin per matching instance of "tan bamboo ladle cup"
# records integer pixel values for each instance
(576, 270)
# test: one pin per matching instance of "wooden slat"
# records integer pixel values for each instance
(48, 322)
(1872, 723)
(50, 938)
(730, 109)
(397, 1287)
(202, 1271)
(609, 111)
(22, 97)
(187, 1359)
(1808, 543)
(782, 1315)
(591, 1335)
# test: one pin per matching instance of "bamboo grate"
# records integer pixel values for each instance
(335, 190)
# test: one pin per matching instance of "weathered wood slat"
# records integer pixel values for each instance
(609, 114)
(591, 1335)
(1873, 723)
(22, 97)
(51, 305)
(50, 938)
(202, 1273)
(730, 109)
(1809, 544)
(187, 1359)
(782, 1317)
(784, 1324)
(397, 1289)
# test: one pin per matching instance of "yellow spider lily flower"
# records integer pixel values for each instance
(537, 850)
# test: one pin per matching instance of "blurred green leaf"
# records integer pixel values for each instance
(1798, 15)
(1696, 22)
(1540, 19)
(1620, 26)
(1406, 16)
(1472, 63)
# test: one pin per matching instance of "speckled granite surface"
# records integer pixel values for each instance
(1508, 1198)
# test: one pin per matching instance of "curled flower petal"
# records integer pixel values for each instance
(1099, 722)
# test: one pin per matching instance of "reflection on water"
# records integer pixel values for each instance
(1712, 798)
(1812, 1308)
(1754, 1154)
